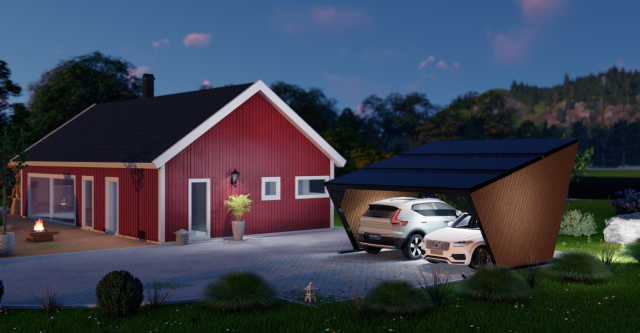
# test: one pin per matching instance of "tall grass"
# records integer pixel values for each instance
(396, 297)
(49, 299)
(578, 266)
(436, 285)
(239, 290)
(495, 283)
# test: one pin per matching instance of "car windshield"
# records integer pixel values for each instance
(462, 222)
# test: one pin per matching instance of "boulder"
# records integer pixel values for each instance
(622, 229)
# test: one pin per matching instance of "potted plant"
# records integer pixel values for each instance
(239, 204)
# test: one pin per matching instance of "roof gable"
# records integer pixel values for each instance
(151, 131)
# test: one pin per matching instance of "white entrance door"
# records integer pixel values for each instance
(199, 207)
(111, 205)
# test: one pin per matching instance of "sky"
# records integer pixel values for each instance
(348, 49)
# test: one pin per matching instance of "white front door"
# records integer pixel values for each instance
(111, 205)
(199, 213)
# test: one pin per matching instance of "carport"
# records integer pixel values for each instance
(515, 188)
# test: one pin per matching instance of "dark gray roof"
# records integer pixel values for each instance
(460, 165)
(133, 131)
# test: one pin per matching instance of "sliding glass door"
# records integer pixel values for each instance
(52, 197)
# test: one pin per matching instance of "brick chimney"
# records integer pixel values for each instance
(147, 85)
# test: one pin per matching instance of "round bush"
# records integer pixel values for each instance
(575, 223)
(578, 266)
(119, 294)
(495, 283)
(239, 290)
(631, 249)
(397, 297)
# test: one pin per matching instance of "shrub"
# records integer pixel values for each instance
(239, 290)
(631, 249)
(439, 288)
(119, 294)
(396, 297)
(629, 202)
(48, 300)
(574, 223)
(356, 305)
(607, 251)
(156, 297)
(578, 266)
(495, 283)
(531, 274)
(1, 290)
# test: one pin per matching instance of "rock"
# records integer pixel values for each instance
(622, 229)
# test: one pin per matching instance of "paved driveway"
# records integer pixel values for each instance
(289, 261)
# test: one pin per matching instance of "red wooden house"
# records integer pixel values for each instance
(146, 168)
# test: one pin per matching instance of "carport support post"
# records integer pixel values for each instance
(347, 228)
(486, 242)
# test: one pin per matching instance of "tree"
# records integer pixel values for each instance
(7, 87)
(12, 143)
(368, 156)
(581, 162)
(349, 133)
(75, 84)
(311, 105)
(399, 116)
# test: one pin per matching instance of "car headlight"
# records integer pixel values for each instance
(462, 244)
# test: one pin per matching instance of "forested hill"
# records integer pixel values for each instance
(603, 99)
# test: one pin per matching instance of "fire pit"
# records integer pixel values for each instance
(39, 234)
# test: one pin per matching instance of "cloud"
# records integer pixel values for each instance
(512, 47)
(537, 9)
(206, 83)
(425, 62)
(325, 18)
(197, 40)
(441, 64)
(362, 111)
(162, 42)
(456, 64)
(138, 71)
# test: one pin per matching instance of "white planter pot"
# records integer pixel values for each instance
(7, 243)
(238, 229)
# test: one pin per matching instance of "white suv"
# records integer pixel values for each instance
(401, 223)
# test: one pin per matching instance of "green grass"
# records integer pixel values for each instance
(613, 173)
(608, 307)
(601, 211)
(42, 247)
(337, 222)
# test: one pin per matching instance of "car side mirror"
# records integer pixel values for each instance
(458, 213)
(450, 223)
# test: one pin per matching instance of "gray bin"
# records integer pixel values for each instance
(182, 237)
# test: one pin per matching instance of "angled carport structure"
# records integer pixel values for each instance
(516, 189)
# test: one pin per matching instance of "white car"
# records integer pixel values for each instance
(460, 243)
(400, 223)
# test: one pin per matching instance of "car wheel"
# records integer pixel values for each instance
(372, 250)
(479, 258)
(412, 249)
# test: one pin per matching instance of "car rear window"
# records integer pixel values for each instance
(445, 210)
(380, 211)
(425, 209)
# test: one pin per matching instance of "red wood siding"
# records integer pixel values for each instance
(259, 142)
(128, 209)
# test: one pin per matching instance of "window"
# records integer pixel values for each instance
(308, 187)
(425, 209)
(270, 188)
(52, 197)
(445, 210)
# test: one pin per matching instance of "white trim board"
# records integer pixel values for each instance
(270, 197)
(208, 200)
(311, 196)
(109, 165)
(274, 100)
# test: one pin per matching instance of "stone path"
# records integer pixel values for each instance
(288, 261)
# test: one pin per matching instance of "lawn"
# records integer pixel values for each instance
(613, 173)
(554, 306)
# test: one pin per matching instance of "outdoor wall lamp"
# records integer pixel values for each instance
(234, 177)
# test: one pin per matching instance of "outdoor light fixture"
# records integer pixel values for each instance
(234, 177)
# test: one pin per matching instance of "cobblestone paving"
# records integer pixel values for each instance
(289, 261)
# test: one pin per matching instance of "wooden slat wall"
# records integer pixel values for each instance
(259, 142)
(356, 202)
(521, 213)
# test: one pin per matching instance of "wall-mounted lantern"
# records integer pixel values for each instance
(234, 177)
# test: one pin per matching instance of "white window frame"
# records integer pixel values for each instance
(201, 180)
(312, 196)
(106, 203)
(270, 197)
(84, 202)
(51, 177)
